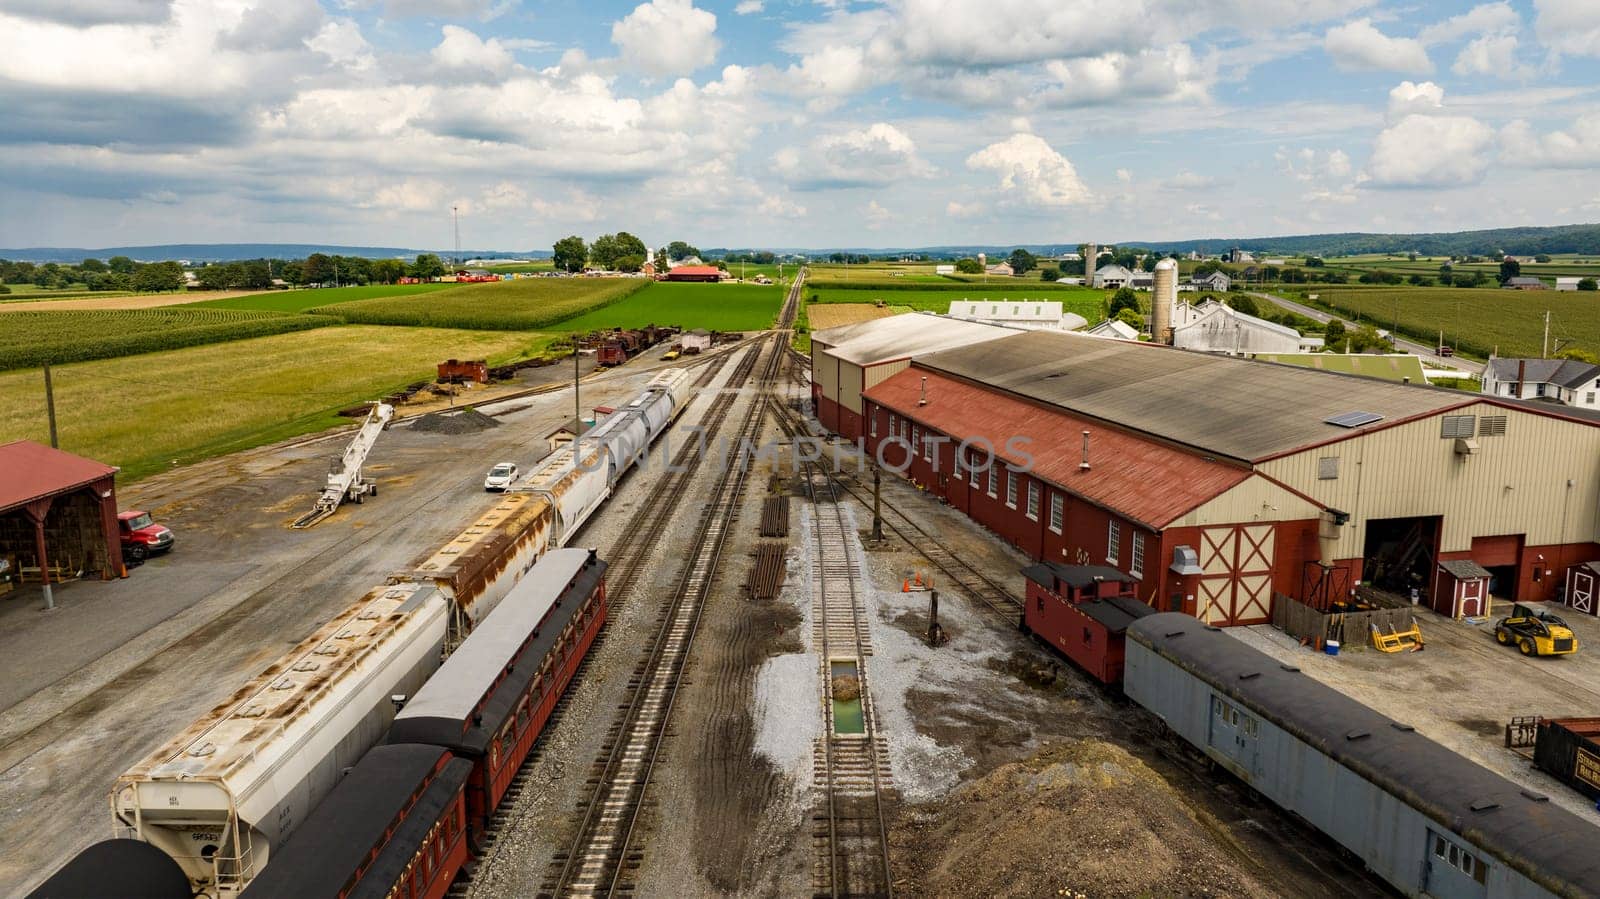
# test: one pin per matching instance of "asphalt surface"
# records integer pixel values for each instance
(1427, 353)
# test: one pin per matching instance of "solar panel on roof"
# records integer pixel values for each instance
(1353, 419)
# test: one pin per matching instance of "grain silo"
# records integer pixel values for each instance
(1163, 300)
(1091, 255)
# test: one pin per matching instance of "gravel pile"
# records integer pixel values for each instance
(458, 421)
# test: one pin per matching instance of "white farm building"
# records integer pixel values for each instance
(1032, 315)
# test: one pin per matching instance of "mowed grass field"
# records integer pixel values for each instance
(301, 300)
(33, 338)
(1474, 320)
(716, 307)
(144, 412)
(528, 304)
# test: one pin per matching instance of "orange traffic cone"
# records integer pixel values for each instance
(905, 586)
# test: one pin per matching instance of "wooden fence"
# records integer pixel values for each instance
(1303, 622)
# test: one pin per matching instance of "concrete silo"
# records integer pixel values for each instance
(1163, 300)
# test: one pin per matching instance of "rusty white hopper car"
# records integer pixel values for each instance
(479, 566)
(573, 481)
(223, 794)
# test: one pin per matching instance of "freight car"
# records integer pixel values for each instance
(223, 795)
(1568, 749)
(408, 816)
(1422, 817)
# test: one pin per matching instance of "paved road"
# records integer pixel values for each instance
(1427, 353)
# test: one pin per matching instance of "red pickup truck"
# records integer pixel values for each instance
(141, 536)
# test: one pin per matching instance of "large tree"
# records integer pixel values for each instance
(122, 265)
(607, 249)
(570, 254)
(679, 250)
(318, 268)
(1509, 269)
(427, 266)
(1021, 261)
(92, 265)
(1124, 298)
(255, 274)
(969, 266)
(159, 276)
(388, 271)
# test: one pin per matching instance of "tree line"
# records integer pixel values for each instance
(622, 252)
(117, 273)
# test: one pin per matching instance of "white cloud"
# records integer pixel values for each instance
(1430, 151)
(1308, 165)
(1168, 73)
(576, 207)
(341, 41)
(1486, 18)
(1494, 54)
(1568, 26)
(91, 12)
(1577, 147)
(1125, 176)
(484, 10)
(957, 210)
(748, 7)
(1031, 172)
(462, 51)
(1360, 47)
(667, 37)
(874, 156)
(1187, 180)
(1408, 98)
(875, 215)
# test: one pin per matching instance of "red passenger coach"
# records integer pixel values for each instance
(1082, 611)
(492, 697)
(396, 825)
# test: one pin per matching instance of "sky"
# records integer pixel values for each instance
(790, 123)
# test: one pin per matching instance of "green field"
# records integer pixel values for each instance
(522, 267)
(716, 307)
(1474, 321)
(144, 413)
(27, 293)
(301, 300)
(28, 339)
(528, 304)
(1084, 301)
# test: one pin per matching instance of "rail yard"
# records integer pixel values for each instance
(700, 650)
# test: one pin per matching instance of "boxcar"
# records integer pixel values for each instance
(1568, 749)
(395, 826)
(127, 869)
(491, 699)
(1421, 816)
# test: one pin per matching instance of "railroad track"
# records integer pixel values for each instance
(850, 832)
(604, 853)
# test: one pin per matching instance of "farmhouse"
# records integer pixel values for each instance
(1216, 482)
(1110, 277)
(1565, 381)
(1000, 269)
(1217, 281)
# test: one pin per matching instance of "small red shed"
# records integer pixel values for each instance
(1583, 583)
(1462, 589)
(58, 514)
(1083, 611)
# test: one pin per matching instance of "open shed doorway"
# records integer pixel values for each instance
(1399, 554)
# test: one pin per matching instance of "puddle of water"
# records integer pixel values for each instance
(847, 716)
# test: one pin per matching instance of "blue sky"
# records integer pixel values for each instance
(790, 122)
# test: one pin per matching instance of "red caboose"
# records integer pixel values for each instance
(456, 371)
(1082, 611)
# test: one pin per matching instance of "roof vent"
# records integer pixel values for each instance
(1171, 634)
(1084, 465)
(1354, 735)
(1213, 627)
(1248, 675)
(1484, 805)
(923, 401)
(1186, 561)
(1535, 797)
(1353, 419)
(1402, 727)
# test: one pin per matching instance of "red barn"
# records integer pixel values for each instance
(695, 273)
(1083, 612)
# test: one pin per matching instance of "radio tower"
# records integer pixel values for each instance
(455, 216)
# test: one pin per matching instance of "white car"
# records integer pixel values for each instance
(500, 477)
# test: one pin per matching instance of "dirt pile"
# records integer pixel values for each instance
(458, 421)
(1081, 819)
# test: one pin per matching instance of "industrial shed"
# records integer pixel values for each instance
(1218, 481)
(851, 358)
(58, 515)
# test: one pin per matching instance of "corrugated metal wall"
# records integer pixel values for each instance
(1515, 484)
(1254, 499)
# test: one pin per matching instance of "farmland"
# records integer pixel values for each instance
(301, 300)
(145, 412)
(1475, 321)
(1086, 302)
(32, 338)
(528, 304)
(717, 307)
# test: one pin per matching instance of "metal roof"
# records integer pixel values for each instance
(1074, 575)
(374, 821)
(903, 336)
(1122, 468)
(1545, 842)
(472, 672)
(142, 872)
(1218, 404)
(1387, 366)
(30, 471)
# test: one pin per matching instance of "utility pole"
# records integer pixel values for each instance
(877, 499)
(50, 406)
(1544, 348)
(577, 405)
(455, 216)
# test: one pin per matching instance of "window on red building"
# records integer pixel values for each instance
(1136, 567)
(1057, 512)
(994, 478)
(1011, 488)
(1033, 500)
(1113, 542)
